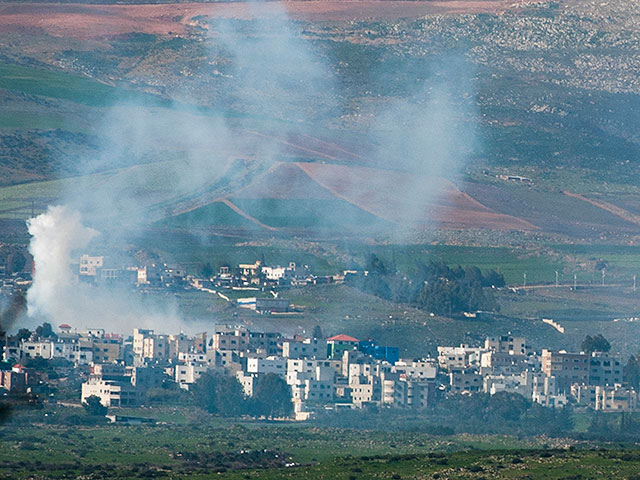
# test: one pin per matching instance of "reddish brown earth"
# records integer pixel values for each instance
(284, 181)
(94, 21)
(384, 193)
(376, 191)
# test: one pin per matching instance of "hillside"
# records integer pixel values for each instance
(544, 107)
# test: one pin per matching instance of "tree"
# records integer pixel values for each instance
(231, 401)
(45, 331)
(595, 344)
(23, 334)
(206, 271)
(5, 410)
(473, 275)
(220, 394)
(317, 332)
(402, 290)
(600, 265)
(599, 423)
(494, 279)
(507, 406)
(376, 285)
(93, 406)
(271, 397)
(16, 262)
(632, 372)
(374, 265)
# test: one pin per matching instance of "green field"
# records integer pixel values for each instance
(216, 213)
(318, 215)
(40, 121)
(511, 262)
(192, 444)
(61, 85)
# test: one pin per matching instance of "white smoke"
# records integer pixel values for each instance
(55, 235)
(56, 296)
(267, 70)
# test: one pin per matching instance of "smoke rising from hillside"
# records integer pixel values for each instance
(57, 295)
(55, 235)
(156, 161)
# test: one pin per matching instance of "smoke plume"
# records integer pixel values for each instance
(58, 238)
(155, 160)
(55, 235)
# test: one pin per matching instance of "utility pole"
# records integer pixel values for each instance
(634, 283)
(575, 281)
(556, 278)
(524, 284)
(603, 275)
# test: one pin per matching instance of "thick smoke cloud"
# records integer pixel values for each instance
(56, 234)
(57, 295)
(187, 156)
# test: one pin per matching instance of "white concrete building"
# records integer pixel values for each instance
(187, 374)
(605, 369)
(37, 348)
(89, 265)
(425, 369)
(277, 365)
(247, 381)
(463, 356)
(187, 357)
(112, 393)
(309, 348)
(73, 352)
(507, 344)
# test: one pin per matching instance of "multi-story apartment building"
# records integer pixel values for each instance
(567, 368)
(464, 356)
(507, 344)
(605, 369)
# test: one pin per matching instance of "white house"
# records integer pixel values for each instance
(187, 374)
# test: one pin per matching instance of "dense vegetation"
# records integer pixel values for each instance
(501, 413)
(223, 395)
(193, 445)
(435, 287)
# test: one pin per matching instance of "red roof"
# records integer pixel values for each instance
(342, 338)
(64, 325)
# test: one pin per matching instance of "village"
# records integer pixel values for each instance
(320, 374)
(253, 286)
(260, 283)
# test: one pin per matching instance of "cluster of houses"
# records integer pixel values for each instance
(249, 278)
(339, 372)
(551, 378)
(97, 269)
(259, 275)
(254, 276)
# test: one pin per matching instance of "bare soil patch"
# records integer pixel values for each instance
(384, 193)
(94, 21)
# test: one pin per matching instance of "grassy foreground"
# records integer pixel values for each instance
(190, 444)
